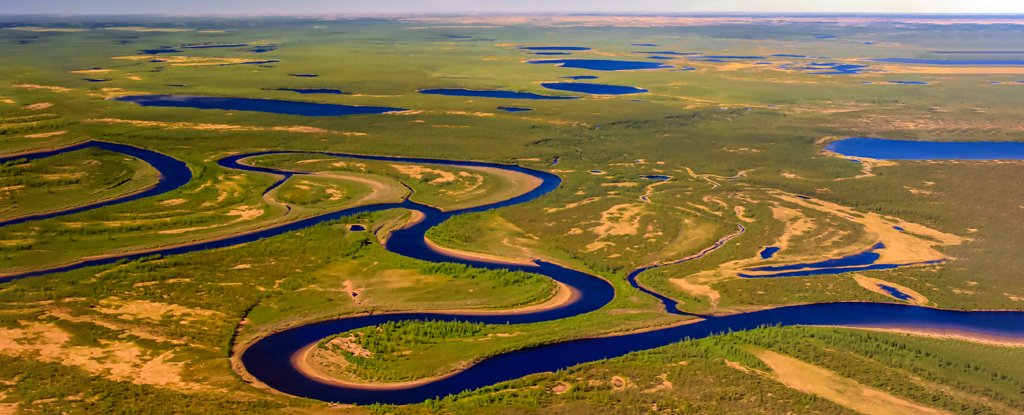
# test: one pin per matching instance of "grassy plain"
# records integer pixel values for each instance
(737, 138)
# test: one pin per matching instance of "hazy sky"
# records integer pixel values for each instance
(498, 6)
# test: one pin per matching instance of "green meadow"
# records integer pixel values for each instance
(739, 139)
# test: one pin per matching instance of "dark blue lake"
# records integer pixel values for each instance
(552, 53)
(214, 46)
(829, 68)
(157, 51)
(311, 109)
(769, 252)
(656, 177)
(895, 292)
(601, 64)
(263, 48)
(667, 52)
(878, 148)
(908, 82)
(313, 90)
(965, 62)
(579, 77)
(555, 48)
(458, 92)
(590, 88)
(515, 109)
(650, 45)
(304, 75)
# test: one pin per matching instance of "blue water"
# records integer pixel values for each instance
(825, 37)
(979, 52)
(356, 228)
(788, 55)
(263, 48)
(863, 258)
(157, 51)
(216, 45)
(95, 79)
(878, 148)
(908, 82)
(769, 252)
(173, 174)
(458, 36)
(741, 57)
(580, 77)
(650, 45)
(591, 88)
(656, 177)
(667, 52)
(253, 63)
(895, 292)
(515, 109)
(269, 359)
(311, 109)
(304, 75)
(829, 68)
(601, 64)
(555, 48)
(551, 53)
(664, 58)
(313, 90)
(966, 62)
(899, 228)
(458, 92)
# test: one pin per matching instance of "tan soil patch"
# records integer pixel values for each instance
(663, 386)
(90, 71)
(178, 60)
(242, 266)
(595, 246)
(172, 202)
(246, 213)
(741, 214)
(46, 135)
(115, 360)
(573, 205)
(38, 106)
(561, 388)
(621, 383)
(846, 392)
(419, 172)
(698, 290)
(46, 87)
(871, 284)
(148, 310)
(620, 220)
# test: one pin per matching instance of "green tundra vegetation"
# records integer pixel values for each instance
(739, 140)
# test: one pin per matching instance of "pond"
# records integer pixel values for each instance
(883, 149)
(311, 109)
(591, 88)
(490, 93)
(601, 64)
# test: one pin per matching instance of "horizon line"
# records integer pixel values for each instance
(537, 13)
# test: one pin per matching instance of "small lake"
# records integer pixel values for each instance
(555, 48)
(515, 109)
(580, 77)
(311, 109)
(862, 261)
(878, 148)
(895, 292)
(591, 88)
(769, 252)
(656, 177)
(313, 90)
(490, 93)
(601, 64)
(908, 82)
(157, 51)
(215, 45)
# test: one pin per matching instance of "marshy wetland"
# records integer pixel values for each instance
(427, 222)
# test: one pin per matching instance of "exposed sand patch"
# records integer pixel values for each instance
(951, 335)
(38, 106)
(871, 284)
(221, 127)
(172, 202)
(178, 60)
(954, 70)
(419, 172)
(246, 213)
(46, 87)
(148, 310)
(242, 266)
(664, 385)
(573, 205)
(900, 247)
(46, 135)
(115, 360)
(595, 246)
(620, 220)
(698, 290)
(846, 392)
(741, 214)
(91, 71)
